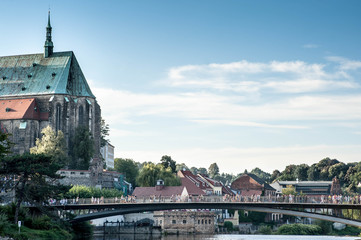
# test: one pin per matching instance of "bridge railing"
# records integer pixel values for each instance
(206, 198)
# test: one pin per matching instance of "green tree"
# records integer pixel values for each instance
(288, 174)
(167, 161)
(36, 177)
(301, 172)
(150, 173)
(265, 176)
(128, 167)
(313, 173)
(82, 148)
(181, 166)
(289, 189)
(202, 171)
(275, 174)
(51, 144)
(194, 170)
(213, 170)
(5, 144)
(104, 133)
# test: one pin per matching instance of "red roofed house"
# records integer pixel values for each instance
(161, 191)
(203, 182)
(249, 184)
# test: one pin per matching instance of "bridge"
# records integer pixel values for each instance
(346, 213)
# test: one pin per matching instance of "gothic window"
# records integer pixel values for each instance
(90, 119)
(81, 116)
(58, 118)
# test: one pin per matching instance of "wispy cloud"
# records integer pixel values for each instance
(254, 77)
(310, 45)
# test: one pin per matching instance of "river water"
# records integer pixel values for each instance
(224, 237)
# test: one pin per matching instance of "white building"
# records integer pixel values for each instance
(107, 153)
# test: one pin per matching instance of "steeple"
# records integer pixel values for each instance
(49, 46)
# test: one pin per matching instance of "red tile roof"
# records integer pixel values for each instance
(21, 109)
(250, 192)
(191, 187)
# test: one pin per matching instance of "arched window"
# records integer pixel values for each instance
(81, 116)
(58, 118)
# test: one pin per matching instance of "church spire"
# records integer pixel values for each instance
(49, 46)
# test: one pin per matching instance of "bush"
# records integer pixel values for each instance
(42, 222)
(228, 225)
(299, 229)
(82, 191)
(4, 223)
(265, 230)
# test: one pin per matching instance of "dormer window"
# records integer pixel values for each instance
(7, 109)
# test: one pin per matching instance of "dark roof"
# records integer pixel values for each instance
(260, 181)
(33, 74)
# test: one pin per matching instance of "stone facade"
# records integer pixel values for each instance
(38, 90)
(184, 222)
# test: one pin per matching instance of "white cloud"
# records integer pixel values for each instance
(251, 77)
(345, 64)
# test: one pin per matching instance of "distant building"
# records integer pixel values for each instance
(309, 187)
(161, 191)
(202, 182)
(183, 222)
(49, 88)
(249, 184)
(107, 153)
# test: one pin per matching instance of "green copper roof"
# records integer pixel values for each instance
(33, 74)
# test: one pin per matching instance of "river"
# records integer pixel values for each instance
(225, 237)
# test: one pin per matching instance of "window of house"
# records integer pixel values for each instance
(22, 125)
(199, 221)
(160, 221)
(174, 221)
(202, 221)
(209, 221)
(184, 221)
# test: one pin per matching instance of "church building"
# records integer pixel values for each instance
(49, 88)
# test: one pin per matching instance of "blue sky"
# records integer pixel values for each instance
(242, 83)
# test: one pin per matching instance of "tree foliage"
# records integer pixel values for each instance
(265, 176)
(213, 170)
(167, 161)
(5, 144)
(36, 176)
(51, 144)
(82, 148)
(104, 133)
(82, 191)
(150, 173)
(127, 167)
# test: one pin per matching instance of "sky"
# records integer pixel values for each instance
(243, 83)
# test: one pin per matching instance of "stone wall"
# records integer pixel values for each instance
(183, 222)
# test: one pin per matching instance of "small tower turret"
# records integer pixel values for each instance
(49, 46)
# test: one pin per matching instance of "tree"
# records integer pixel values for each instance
(202, 171)
(150, 173)
(82, 148)
(104, 133)
(265, 176)
(5, 144)
(51, 144)
(213, 170)
(36, 176)
(288, 174)
(301, 172)
(128, 167)
(181, 166)
(167, 161)
(289, 189)
(275, 175)
(194, 170)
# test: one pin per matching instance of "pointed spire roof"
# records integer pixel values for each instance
(49, 46)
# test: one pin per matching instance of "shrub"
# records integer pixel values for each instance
(299, 229)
